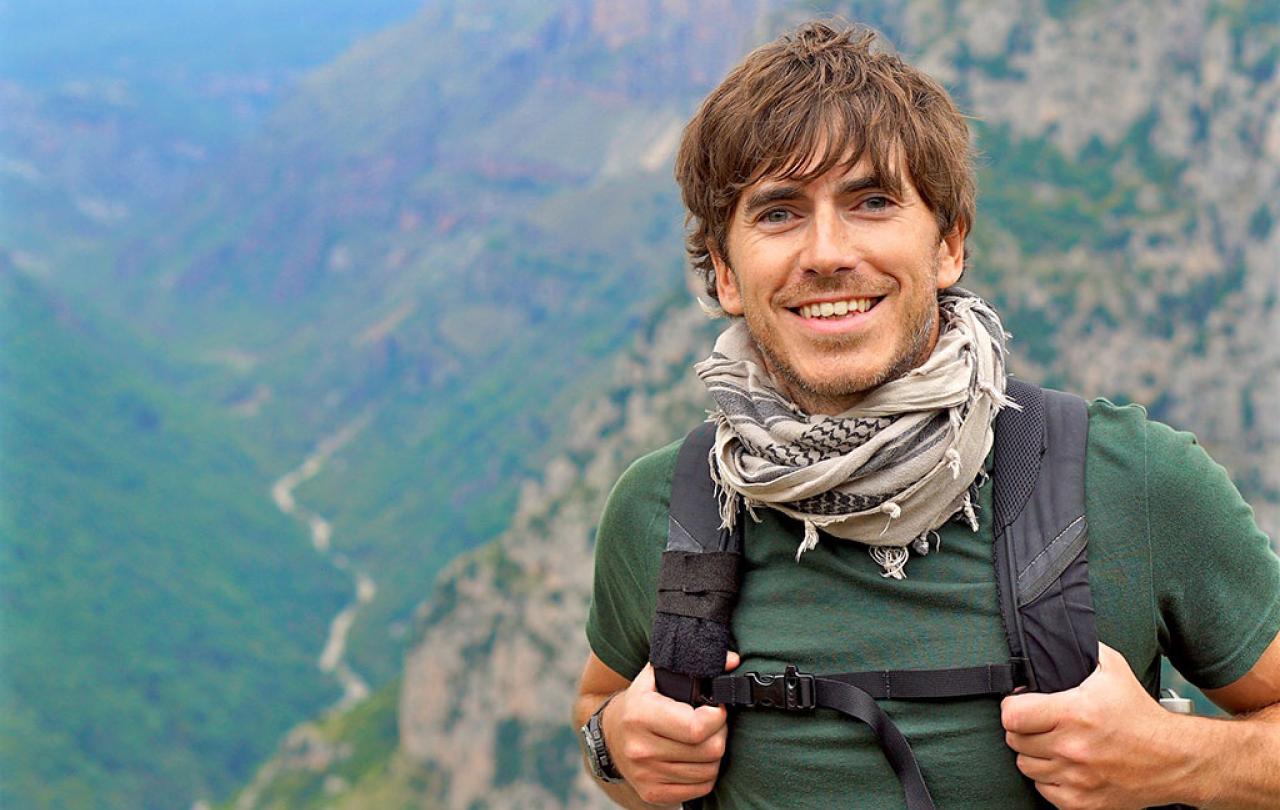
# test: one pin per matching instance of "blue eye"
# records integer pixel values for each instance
(877, 203)
(775, 215)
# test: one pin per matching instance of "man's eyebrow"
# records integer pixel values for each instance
(867, 181)
(780, 192)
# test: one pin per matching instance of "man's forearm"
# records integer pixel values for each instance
(622, 793)
(1229, 764)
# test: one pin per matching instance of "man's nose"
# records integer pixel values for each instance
(829, 248)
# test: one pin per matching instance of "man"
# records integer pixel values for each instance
(830, 192)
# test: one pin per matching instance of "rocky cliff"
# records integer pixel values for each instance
(504, 629)
(1175, 109)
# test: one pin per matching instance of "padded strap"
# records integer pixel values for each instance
(693, 519)
(704, 586)
(1041, 535)
(698, 579)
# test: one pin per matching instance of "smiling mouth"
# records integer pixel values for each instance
(835, 309)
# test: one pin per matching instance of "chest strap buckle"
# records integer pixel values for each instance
(791, 691)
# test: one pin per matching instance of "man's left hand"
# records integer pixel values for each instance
(1094, 746)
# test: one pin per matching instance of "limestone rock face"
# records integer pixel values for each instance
(1182, 312)
(488, 690)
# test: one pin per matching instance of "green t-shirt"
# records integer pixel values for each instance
(1176, 564)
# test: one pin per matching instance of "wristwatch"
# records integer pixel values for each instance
(597, 752)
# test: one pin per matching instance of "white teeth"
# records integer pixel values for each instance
(829, 309)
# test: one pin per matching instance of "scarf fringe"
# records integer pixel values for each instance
(730, 501)
(921, 543)
(970, 514)
(725, 496)
(893, 559)
(810, 541)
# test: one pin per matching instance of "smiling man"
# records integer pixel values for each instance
(863, 309)
(857, 390)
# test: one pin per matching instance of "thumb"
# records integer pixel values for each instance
(1110, 663)
(644, 680)
(1030, 712)
(731, 661)
(1109, 658)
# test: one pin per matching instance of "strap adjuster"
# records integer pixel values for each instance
(1022, 676)
(686, 688)
(791, 691)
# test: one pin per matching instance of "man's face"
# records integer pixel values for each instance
(845, 245)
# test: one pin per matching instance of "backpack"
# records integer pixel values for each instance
(1042, 576)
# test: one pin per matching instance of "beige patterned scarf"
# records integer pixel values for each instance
(889, 471)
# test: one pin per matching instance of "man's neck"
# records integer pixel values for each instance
(812, 403)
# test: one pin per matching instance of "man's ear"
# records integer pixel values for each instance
(727, 291)
(951, 255)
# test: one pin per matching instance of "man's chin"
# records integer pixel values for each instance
(827, 391)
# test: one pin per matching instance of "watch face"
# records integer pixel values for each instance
(597, 754)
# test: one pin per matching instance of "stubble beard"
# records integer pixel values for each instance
(838, 395)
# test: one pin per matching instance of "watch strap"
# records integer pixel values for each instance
(598, 758)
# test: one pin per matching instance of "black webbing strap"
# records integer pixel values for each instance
(852, 701)
(855, 694)
(751, 689)
(925, 684)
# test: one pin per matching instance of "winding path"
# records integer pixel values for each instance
(332, 657)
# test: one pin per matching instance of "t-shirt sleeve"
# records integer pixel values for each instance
(1216, 575)
(628, 551)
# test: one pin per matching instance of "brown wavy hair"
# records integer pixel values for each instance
(823, 95)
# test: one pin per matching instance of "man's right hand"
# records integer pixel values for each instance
(668, 751)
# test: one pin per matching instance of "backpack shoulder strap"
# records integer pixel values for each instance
(1041, 559)
(698, 579)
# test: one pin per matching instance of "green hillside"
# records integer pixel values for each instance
(417, 242)
(406, 247)
(160, 628)
(343, 761)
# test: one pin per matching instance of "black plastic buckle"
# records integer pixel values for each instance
(792, 691)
